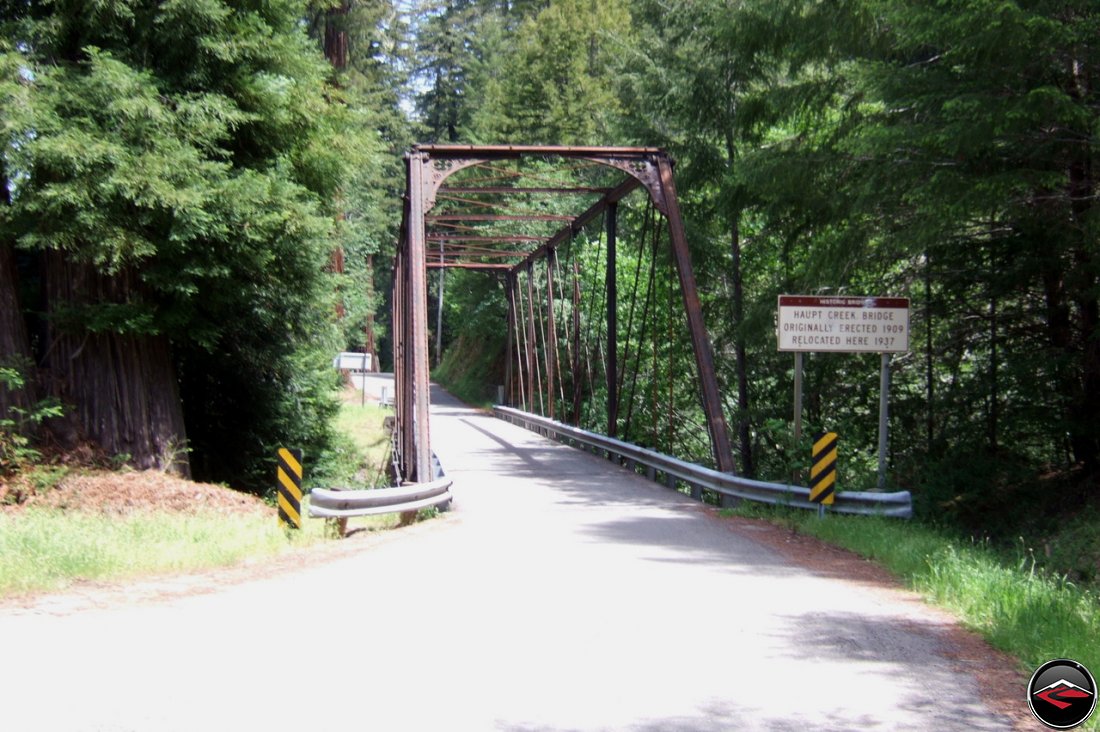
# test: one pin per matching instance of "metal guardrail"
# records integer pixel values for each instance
(327, 503)
(897, 505)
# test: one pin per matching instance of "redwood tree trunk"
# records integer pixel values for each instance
(121, 388)
(1082, 189)
(14, 347)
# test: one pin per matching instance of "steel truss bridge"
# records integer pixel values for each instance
(509, 211)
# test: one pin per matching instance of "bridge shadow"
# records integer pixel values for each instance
(868, 671)
(599, 501)
(610, 503)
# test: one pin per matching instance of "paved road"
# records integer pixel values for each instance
(561, 593)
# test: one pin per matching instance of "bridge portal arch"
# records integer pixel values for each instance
(498, 219)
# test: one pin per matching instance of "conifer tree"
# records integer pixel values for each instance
(172, 198)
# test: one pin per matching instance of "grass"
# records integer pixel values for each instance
(1019, 609)
(48, 549)
(363, 424)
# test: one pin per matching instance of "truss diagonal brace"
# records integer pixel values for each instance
(564, 234)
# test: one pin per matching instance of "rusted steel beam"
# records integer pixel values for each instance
(612, 290)
(498, 217)
(512, 151)
(469, 265)
(531, 343)
(540, 333)
(551, 335)
(512, 239)
(443, 228)
(398, 305)
(509, 345)
(704, 357)
(575, 415)
(521, 341)
(521, 190)
(418, 305)
(617, 194)
(452, 252)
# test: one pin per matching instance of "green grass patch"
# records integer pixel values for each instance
(1017, 607)
(364, 425)
(48, 550)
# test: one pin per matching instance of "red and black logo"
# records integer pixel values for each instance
(1062, 694)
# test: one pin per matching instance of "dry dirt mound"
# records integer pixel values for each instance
(128, 492)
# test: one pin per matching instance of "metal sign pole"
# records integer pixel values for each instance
(797, 407)
(883, 419)
(798, 395)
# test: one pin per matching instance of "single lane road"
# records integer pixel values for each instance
(560, 593)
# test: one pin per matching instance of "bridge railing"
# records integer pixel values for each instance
(898, 504)
(329, 503)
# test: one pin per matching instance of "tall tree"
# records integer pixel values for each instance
(700, 77)
(557, 82)
(14, 343)
(175, 180)
(982, 140)
(444, 51)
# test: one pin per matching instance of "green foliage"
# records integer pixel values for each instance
(874, 147)
(19, 424)
(194, 145)
(555, 84)
(470, 370)
(940, 152)
(362, 458)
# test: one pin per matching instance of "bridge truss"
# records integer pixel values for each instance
(509, 211)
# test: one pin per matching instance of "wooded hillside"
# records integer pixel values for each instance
(941, 151)
(177, 176)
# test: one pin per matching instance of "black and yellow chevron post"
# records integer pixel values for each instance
(823, 469)
(289, 486)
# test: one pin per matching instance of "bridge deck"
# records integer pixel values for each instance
(596, 599)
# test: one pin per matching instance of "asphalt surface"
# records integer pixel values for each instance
(560, 593)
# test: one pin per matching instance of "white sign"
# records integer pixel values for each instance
(355, 362)
(844, 324)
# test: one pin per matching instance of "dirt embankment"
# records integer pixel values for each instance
(113, 492)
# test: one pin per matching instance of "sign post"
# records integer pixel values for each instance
(797, 407)
(883, 418)
(844, 324)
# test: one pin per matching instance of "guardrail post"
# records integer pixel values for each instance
(728, 501)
